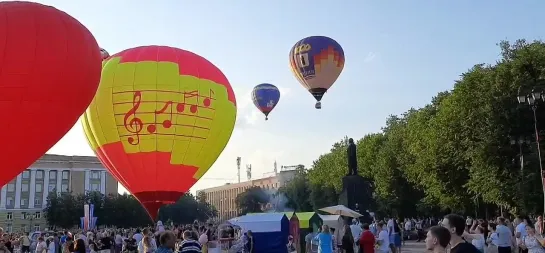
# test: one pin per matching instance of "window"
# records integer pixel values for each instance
(24, 202)
(304, 60)
(39, 174)
(23, 216)
(24, 187)
(95, 175)
(65, 174)
(64, 188)
(51, 187)
(38, 215)
(26, 174)
(11, 187)
(95, 187)
(39, 187)
(9, 201)
(9, 228)
(52, 174)
(24, 228)
(36, 228)
(9, 216)
(37, 202)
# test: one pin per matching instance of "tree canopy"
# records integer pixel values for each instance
(64, 210)
(252, 200)
(453, 154)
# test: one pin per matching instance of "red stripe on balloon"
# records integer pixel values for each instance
(189, 64)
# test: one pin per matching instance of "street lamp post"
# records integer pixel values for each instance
(520, 142)
(533, 99)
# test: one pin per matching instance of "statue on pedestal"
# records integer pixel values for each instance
(352, 158)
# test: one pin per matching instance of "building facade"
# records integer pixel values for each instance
(23, 199)
(223, 197)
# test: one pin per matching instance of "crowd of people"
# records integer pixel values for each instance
(453, 233)
(186, 239)
(456, 234)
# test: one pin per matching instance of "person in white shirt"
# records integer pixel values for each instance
(383, 239)
(479, 241)
(118, 240)
(408, 225)
(356, 233)
(505, 238)
(138, 236)
(51, 245)
(147, 244)
(160, 227)
(41, 246)
(520, 230)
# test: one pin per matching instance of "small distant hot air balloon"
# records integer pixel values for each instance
(44, 52)
(317, 62)
(265, 97)
(159, 120)
(104, 54)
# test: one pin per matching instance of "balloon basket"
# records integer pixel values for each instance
(266, 118)
(318, 105)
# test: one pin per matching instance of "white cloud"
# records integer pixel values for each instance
(284, 91)
(370, 57)
(247, 114)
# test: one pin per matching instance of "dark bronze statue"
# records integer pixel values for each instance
(352, 159)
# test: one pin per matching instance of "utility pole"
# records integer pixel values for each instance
(238, 167)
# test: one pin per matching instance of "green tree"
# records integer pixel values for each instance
(297, 192)
(455, 153)
(52, 211)
(252, 200)
(64, 210)
(205, 211)
(323, 196)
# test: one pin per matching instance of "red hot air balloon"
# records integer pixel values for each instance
(50, 68)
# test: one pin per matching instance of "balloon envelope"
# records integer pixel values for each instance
(317, 62)
(160, 119)
(50, 69)
(104, 54)
(265, 97)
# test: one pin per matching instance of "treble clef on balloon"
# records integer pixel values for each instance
(132, 123)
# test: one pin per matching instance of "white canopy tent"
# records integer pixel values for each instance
(336, 222)
(333, 221)
(269, 222)
(341, 210)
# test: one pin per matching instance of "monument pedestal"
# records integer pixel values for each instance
(357, 190)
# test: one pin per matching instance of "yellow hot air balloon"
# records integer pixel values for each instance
(160, 119)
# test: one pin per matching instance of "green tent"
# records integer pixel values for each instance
(308, 222)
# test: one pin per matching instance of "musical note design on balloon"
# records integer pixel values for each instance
(208, 100)
(135, 124)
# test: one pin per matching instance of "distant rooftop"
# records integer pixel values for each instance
(70, 159)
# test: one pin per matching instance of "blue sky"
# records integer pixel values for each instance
(398, 55)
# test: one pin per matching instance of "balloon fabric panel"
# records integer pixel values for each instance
(50, 70)
(317, 62)
(91, 139)
(160, 119)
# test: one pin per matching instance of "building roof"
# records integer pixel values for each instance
(229, 186)
(47, 158)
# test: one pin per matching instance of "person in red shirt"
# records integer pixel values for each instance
(367, 240)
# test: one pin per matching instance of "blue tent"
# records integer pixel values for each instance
(270, 231)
